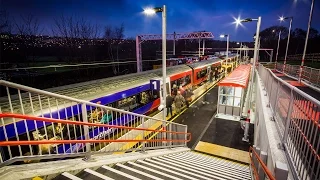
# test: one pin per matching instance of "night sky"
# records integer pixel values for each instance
(183, 15)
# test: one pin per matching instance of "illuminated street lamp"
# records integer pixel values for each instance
(238, 22)
(285, 56)
(227, 52)
(152, 11)
(306, 42)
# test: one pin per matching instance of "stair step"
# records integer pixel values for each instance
(110, 174)
(128, 176)
(138, 172)
(167, 170)
(152, 171)
(214, 168)
(70, 176)
(92, 175)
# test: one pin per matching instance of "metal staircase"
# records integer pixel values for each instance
(183, 165)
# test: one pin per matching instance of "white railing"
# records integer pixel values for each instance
(297, 117)
(310, 75)
(38, 103)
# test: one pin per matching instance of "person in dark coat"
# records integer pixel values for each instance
(169, 102)
(211, 76)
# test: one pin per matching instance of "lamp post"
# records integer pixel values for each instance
(288, 41)
(278, 47)
(238, 21)
(306, 42)
(151, 11)
(227, 52)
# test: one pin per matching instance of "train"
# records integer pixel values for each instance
(130, 92)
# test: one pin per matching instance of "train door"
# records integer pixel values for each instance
(168, 90)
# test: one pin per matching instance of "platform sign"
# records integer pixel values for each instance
(155, 85)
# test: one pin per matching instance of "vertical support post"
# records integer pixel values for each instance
(288, 41)
(86, 130)
(281, 170)
(227, 56)
(271, 56)
(138, 54)
(288, 119)
(203, 46)
(164, 60)
(278, 49)
(306, 42)
(174, 43)
(143, 136)
(255, 160)
(263, 157)
(199, 48)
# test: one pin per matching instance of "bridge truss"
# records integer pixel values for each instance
(174, 36)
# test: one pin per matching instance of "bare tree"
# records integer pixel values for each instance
(76, 32)
(29, 28)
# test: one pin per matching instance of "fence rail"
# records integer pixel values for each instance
(62, 126)
(315, 57)
(310, 75)
(297, 116)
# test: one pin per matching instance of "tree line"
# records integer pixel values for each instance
(270, 35)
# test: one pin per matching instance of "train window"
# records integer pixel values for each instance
(202, 73)
(182, 81)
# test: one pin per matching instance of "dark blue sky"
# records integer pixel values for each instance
(183, 15)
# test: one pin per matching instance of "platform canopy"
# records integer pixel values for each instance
(238, 78)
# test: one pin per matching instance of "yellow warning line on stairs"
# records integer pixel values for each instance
(224, 152)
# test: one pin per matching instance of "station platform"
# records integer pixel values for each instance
(303, 87)
(211, 135)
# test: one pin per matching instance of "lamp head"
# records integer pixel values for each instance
(246, 20)
(152, 11)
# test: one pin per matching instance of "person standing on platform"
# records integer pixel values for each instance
(211, 76)
(182, 91)
(189, 93)
(169, 102)
(179, 100)
(174, 90)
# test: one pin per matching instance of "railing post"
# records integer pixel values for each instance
(143, 136)
(286, 130)
(263, 157)
(86, 130)
(281, 170)
(277, 94)
(255, 160)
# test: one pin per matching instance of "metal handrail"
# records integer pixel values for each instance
(26, 88)
(264, 167)
(43, 119)
(296, 114)
(310, 98)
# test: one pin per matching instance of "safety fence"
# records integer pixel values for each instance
(297, 117)
(36, 124)
(308, 74)
(314, 57)
(258, 167)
